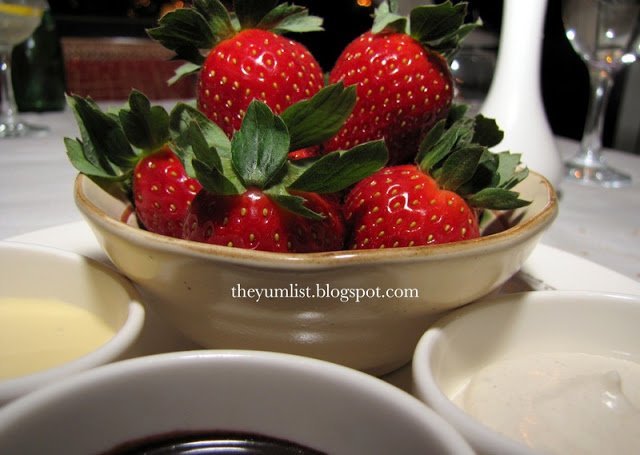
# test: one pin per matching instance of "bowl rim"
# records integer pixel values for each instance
(465, 248)
(482, 438)
(204, 358)
(12, 388)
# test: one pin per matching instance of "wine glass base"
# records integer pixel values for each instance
(22, 129)
(602, 176)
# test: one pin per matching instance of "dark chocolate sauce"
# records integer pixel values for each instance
(212, 443)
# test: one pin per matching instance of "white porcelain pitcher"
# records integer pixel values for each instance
(515, 96)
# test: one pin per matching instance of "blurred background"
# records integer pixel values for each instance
(106, 52)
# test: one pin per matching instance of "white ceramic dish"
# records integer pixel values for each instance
(317, 404)
(512, 327)
(31, 271)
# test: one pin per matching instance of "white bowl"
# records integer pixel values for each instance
(515, 327)
(192, 284)
(31, 271)
(310, 402)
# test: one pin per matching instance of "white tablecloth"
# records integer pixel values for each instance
(36, 180)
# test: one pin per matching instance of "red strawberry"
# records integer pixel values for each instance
(328, 235)
(254, 197)
(255, 64)
(252, 220)
(305, 153)
(245, 60)
(128, 153)
(162, 192)
(409, 205)
(402, 206)
(404, 82)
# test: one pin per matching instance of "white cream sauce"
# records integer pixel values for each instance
(36, 334)
(560, 403)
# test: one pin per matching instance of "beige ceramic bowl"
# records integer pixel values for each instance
(211, 292)
(36, 272)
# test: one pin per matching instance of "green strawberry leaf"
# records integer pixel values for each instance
(77, 157)
(104, 142)
(489, 165)
(146, 127)
(450, 44)
(385, 18)
(517, 178)
(184, 70)
(455, 153)
(487, 132)
(180, 120)
(497, 173)
(217, 16)
(213, 180)
(456, 112)
(313, 121)
(336, 171)
(251, 12)
(182, 114)
(294, 169)
(285, 18)
(497, 199)
(195, 137)
(441, 27)
(506, 168)
(293, 203)
(214, 173)
(184, 31)
(437, 146)
(459, 167)
(431, 23)
(260, 148)
(431, 140)
(484, 177)
(200, 149)
(509, 171)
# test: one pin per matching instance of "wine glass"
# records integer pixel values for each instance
(18, 20)
(604, 33)
(472, 70)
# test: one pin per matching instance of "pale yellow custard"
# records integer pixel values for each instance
(36, 334)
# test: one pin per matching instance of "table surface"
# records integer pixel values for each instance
(598, 224)
(601, 226)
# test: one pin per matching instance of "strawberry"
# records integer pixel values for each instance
(129, 153)
(245, 56)
(403, 78)
(162, 192)
(402, 206)
(253, 196)
(252, 220)
(435, 201)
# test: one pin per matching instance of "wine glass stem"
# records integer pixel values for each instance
(601, 84)
(8, 106)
